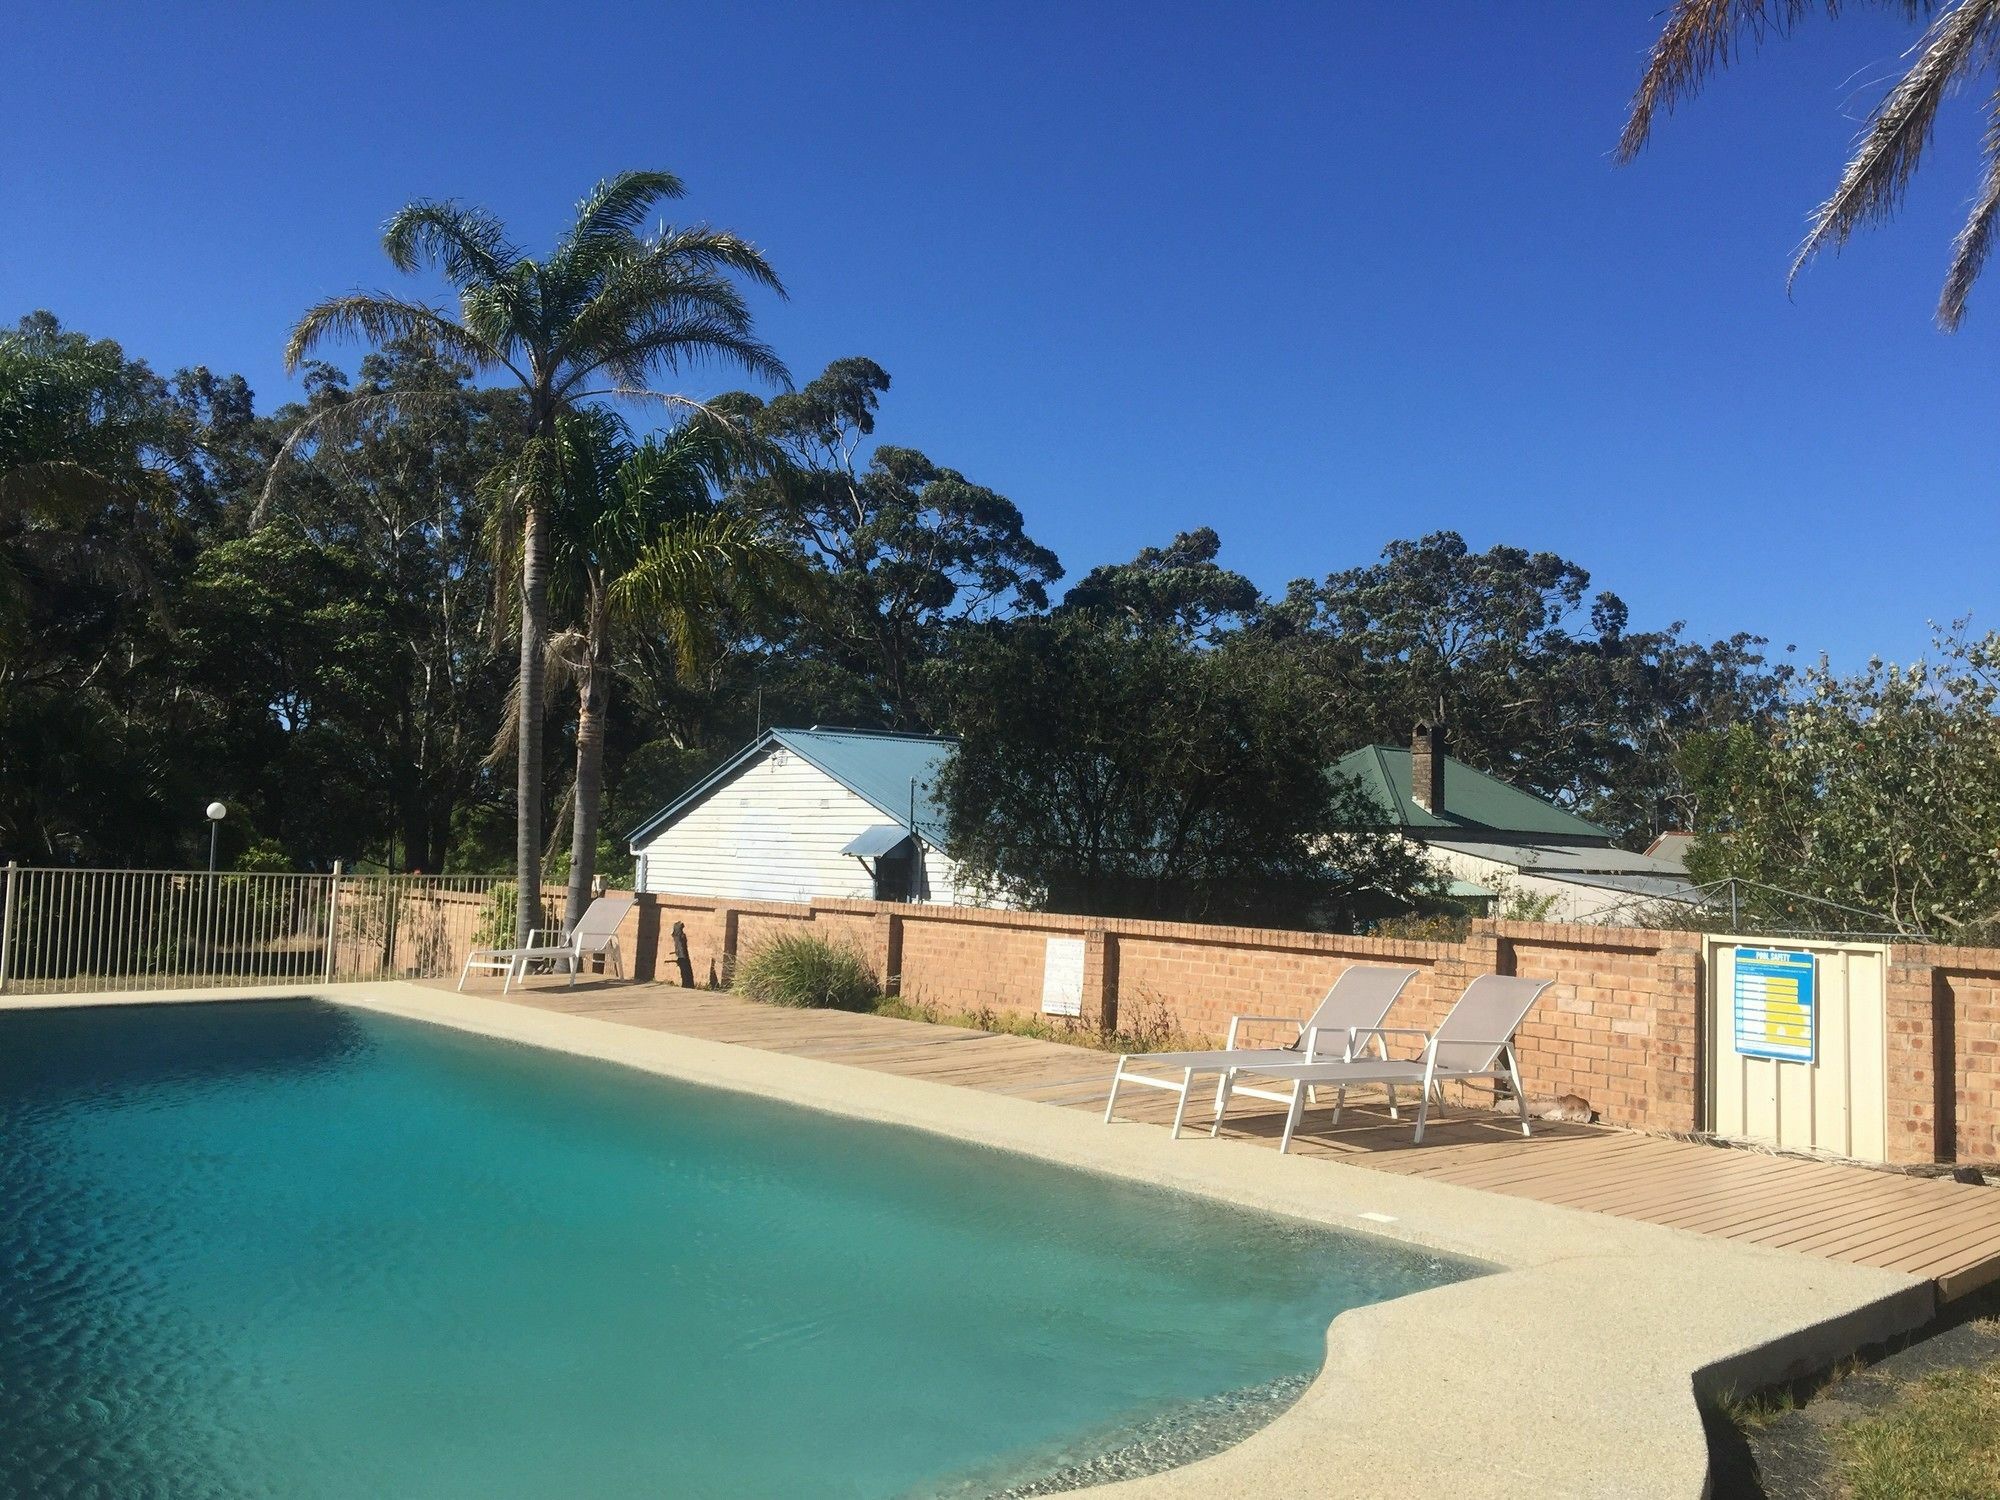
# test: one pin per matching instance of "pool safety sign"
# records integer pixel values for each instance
(1775, 1010)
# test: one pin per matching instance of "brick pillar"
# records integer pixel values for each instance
(642, 954)
(728, 915)
(1923, 1106)
(1100, 979)
(1672, 1054)
(887, 941)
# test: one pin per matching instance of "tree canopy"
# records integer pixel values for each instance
(326, 646)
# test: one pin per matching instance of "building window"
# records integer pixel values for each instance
(896, 875)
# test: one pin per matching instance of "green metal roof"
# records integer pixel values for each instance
(879, 768)
(1473, 801)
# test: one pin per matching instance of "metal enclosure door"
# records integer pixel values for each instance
(1838, 1102)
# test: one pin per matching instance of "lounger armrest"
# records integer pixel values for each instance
(537, 934)
(1356, 1036)
(1360, 1031)
(1236, 1021)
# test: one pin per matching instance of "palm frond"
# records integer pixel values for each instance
(681, 343)
(383, 318)
(698, 247)
(1899, 128)
(638, 295)
(1975, 239)
(332, 427)
(469, 245)
(55, 491)
(561, 657)
(1701, 37)
(616, 208)
(677, 582)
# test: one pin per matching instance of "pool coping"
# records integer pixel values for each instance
(1570, 1371)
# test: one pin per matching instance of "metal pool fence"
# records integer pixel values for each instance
(65, 931)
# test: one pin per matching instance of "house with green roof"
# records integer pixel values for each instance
(1494, 841)
(807, 814)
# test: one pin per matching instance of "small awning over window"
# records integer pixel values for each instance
(873, 843)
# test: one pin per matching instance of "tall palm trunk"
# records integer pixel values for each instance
(593, 691)
(591, 705)
(528, 746)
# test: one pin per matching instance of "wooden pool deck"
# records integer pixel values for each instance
(1945, 1231)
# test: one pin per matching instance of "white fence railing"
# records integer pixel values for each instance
(65, 931)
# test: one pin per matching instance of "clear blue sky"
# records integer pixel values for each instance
(1321, 276)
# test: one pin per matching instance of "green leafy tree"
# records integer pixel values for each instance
(903, 548)
(1179, 587)
(1119, 771)
(397, 458)
(1961, 42)
(290, 664)
(598, 318)
(1878, 793)
(639, 545)
(1532, 685)
(105, 471)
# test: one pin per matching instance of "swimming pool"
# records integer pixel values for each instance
(286, 1247)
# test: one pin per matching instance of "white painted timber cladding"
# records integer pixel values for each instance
(1574, 901)
(774, 832)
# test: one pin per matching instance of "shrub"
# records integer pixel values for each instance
(496, 922)
(808, 972)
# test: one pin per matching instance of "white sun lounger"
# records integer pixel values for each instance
(1470, 1042)
(594, 936)
(1358, 1002)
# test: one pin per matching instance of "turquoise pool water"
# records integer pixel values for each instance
(290, 1249)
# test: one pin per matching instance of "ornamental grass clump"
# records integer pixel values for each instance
(809, 973)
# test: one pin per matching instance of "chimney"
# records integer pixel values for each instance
(1427, 768)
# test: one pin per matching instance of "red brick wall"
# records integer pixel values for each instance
(1944, 1054)
(1619, 1026)
(1972, 991)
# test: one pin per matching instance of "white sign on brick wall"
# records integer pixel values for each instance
(1062, 977)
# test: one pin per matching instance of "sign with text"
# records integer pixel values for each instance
(1775, 1011)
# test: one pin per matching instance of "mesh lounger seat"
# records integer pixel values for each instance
(1473, 1041)
(594, 936)
(1358, 1002)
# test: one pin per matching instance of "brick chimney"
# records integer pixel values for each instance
(1427, 768)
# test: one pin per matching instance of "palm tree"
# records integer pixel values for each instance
(637, 543)
(1962, 40)
(606, 310)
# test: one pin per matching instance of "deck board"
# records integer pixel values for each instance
(1945, 1231)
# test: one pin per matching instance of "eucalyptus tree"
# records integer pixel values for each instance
(1961, 42)
(904, 549)
(607, 310)
(639, 546)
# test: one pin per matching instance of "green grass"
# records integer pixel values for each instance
(1755, 1412)
(1941, 1441)
(807, 973)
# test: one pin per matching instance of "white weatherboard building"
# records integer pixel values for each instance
(808, 814)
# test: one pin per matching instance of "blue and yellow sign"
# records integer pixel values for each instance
(1775, 991)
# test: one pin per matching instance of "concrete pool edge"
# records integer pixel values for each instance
(1572, 1370)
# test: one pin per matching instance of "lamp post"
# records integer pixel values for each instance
(216, 813)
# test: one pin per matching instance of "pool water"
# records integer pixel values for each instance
(266, 1248)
